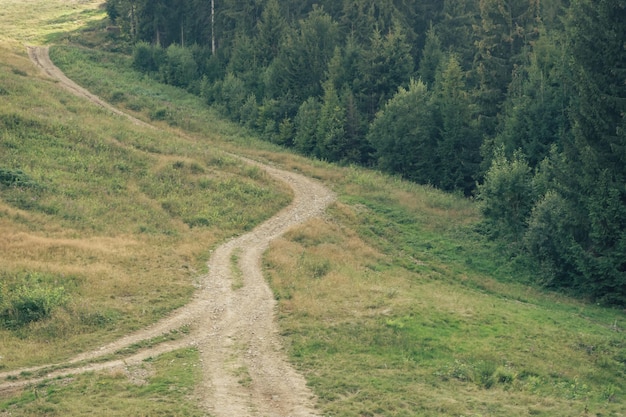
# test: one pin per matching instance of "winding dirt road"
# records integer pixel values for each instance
(233, 329)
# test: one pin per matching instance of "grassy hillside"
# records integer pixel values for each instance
(392, 305)
(104, 226)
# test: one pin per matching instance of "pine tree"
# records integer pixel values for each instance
(332, 144)
(597, 35)
(270, 32)
(458, 146)
(386, 66)
(535, 116)
(432, 55)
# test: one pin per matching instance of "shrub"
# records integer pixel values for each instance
(507, 195)
(29, 303)
(179, 67)
(161, 113)
(249, 113)
(117, 97)
(15, 178)
(144, 57)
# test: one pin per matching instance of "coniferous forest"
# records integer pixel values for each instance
(519, 104)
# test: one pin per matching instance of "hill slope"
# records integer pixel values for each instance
(389, 305)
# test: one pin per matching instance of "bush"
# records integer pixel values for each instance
(144, 58)
(403, 135)
(117, 96)
(179, 67)
(29, 303)
(549, 239)
(161, 113)
(507, 195)
(15, 178)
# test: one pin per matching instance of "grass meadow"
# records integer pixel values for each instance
(110, 222)
(391, 305)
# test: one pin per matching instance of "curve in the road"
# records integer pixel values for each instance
(233, 329)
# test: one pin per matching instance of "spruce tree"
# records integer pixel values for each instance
(270, 32)
(330, 133)
(385, 66)
(596, 41)
(458, 146)
(305, 140)
(505, 29)
(536, 115)
(432, 55)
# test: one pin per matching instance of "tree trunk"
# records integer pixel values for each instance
(213, 26)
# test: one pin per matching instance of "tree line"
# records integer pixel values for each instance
(520, 104)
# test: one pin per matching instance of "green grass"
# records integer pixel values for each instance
(392, 305)
(163, 386)
(35, 21)
(236, 272)
(420, 316)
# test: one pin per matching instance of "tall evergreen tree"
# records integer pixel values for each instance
(299, 69)
(330, 133)
(305, 140)
(456, 29)
(385, 66)
(244, 62)
(505, 29)
(597, 43)
(577, 231)
(535, 116)
(237, 16)
(125, 13)
(356, 21)
(270, 32)
(458, 147)
(432, 55)
(151, 22)
(357, 148)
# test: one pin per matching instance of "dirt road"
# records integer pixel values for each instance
(234, 329)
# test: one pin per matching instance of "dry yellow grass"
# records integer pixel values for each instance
(31, 21)
(102, 226)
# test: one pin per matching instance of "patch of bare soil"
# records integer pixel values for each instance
(246, 372)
